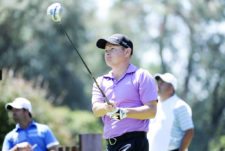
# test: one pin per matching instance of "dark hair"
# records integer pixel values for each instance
(28, 113)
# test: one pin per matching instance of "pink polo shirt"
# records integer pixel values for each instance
(135, 88)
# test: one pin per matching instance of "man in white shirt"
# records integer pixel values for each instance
(172, 128)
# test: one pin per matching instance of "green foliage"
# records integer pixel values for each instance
(218, 144)
(65, 123)
(33, 45)
(4, 128)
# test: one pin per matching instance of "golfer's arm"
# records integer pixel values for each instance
(99, 109)
(143, 112)
(186, 141)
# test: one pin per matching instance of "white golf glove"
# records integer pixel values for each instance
(118, 113)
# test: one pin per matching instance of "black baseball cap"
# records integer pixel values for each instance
(117, 39)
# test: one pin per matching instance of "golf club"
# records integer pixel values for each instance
(55, 11)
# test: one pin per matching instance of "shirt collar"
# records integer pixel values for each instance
(131, 69)
(170, 99)
(32, 124)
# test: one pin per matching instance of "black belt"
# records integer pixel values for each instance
(112, 141)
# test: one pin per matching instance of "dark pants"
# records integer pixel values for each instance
(174, 150)
(132, 141)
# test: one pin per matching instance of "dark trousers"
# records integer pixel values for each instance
(132, 141)
(174, 150)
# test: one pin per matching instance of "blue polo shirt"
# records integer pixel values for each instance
(36, 134)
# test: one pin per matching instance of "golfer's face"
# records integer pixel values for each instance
(163, 87)
(114, 54)
(18, 114)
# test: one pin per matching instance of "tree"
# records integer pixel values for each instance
(35, 46)
(65, 123)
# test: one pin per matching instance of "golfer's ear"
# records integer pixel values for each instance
(128, 51)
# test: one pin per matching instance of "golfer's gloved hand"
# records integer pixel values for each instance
(118, 113)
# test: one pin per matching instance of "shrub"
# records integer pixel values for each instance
(65, 123)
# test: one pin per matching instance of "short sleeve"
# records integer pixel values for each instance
(6, 144)
(96, 93)
(184, 116)
(147, 86)
(50, 139)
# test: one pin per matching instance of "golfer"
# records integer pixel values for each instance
(28, 135)
(132, 93)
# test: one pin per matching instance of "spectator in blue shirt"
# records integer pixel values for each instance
(28, 135)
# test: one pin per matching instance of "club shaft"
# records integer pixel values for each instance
(89, 71)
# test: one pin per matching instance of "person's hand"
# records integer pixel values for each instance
(25, 146)
(110, 107)
(118, 113)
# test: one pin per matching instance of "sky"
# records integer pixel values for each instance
(103, 6)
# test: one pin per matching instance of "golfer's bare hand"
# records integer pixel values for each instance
(25, 146)
(110, 107)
